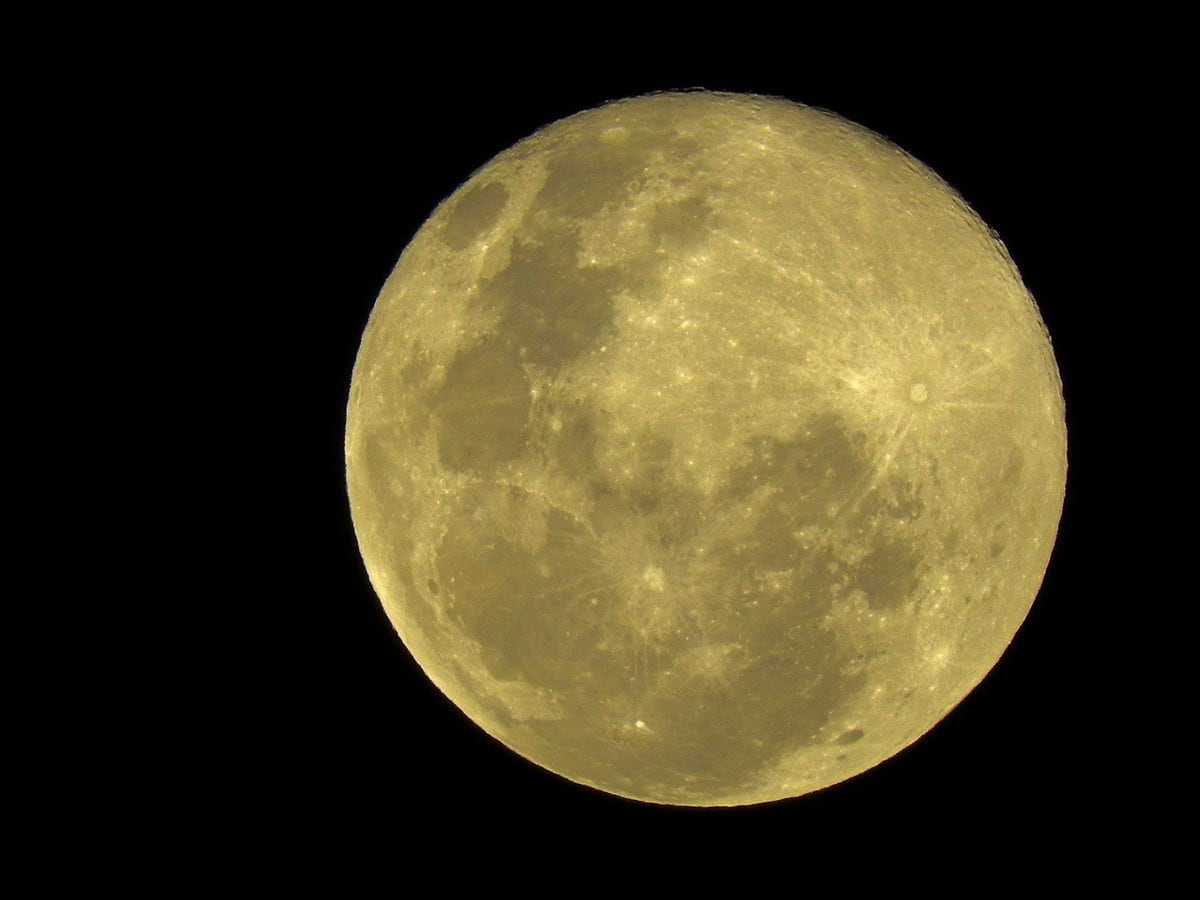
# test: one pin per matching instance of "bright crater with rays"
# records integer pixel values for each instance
(705, 449)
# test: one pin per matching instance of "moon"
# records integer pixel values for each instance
(705, 449)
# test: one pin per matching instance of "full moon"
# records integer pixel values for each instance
(705, 449)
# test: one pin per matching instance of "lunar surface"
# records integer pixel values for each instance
(705, 449)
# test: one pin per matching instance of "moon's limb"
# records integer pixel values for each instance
(705, 449)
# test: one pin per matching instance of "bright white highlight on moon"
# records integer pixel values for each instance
(705, 449)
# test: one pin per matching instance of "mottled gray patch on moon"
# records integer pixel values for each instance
(889, 573)
(474, 213)
(552, 311)
(851, 736)
(682, 225)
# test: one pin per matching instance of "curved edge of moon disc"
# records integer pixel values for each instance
(705, 449)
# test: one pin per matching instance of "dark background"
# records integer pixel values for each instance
(344, 159)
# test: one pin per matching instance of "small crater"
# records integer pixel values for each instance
(918, 393)
(433, 586)
(852, 736)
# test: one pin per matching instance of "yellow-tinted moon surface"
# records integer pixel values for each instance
(705, 449)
